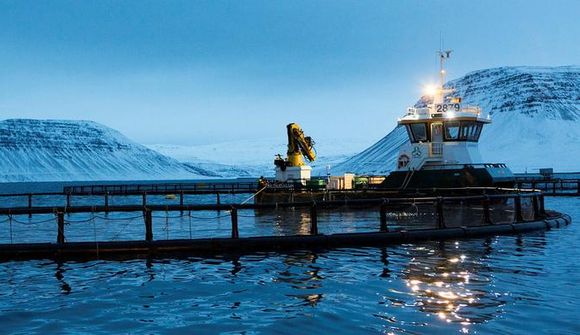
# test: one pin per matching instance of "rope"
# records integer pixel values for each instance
(167, 216)
(254, 195)
(246, 216)
(118, 219)
(211, 218)
(79, 221)
(414, 206)
(123, 228)
(30, 223)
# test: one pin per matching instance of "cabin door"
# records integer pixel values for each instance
(436, 145)
(437, 132)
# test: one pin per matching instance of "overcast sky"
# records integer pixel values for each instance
(193, 72)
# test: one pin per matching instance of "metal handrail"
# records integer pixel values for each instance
(203, 207)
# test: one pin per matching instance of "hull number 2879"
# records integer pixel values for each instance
(445, 107)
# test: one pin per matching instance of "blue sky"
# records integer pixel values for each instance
(193, 72)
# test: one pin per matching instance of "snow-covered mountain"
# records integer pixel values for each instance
(255, 157)
(535, 120)
(535, 113)
(56, 150)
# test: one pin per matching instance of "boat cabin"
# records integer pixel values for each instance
(442, 133)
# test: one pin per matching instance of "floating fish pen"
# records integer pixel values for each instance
(134, 230)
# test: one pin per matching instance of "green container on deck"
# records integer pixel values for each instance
(361, 182)
(316, 184)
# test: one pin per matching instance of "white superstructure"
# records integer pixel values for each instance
(445, 132)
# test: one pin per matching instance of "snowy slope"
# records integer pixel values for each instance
(378, 158)
(255, 157)
(55, 150)
(535, 113)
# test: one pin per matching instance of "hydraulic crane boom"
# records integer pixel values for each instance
(298, 146)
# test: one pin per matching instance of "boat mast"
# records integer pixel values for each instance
(443, 56)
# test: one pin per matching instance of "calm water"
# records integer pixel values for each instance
(507, 284)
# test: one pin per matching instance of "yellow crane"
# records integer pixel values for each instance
(299, 146)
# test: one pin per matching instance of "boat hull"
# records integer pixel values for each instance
(484, 175)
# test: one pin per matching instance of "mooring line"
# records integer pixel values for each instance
(122, 229)
(30, 223)
(254, 195)
(211, 218)
(79, 221)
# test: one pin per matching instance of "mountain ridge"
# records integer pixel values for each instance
(59, 150)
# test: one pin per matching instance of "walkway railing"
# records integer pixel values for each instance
(439, 206)
(553, 187)
(162, 188)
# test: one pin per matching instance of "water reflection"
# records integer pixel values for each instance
(149, 269)
(302, 273)
(448, 283)
(455, 286)
(283, 221)
(59, 275)
(385, 260)
(236, 265)
(455, 282)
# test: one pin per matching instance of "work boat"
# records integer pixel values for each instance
(443, 145)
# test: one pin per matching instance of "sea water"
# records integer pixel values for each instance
(501, 284)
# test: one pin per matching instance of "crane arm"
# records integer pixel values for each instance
(298, 146)
(298, 143)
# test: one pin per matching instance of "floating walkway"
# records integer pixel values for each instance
(527, 218)
(132, 249)
(565, 184)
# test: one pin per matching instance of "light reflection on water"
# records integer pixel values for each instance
(505, 284)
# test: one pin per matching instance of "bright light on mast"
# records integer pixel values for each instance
(430, 90)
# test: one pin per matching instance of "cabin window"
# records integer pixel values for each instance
(419, 132)
(462, 131)
(473, 134)
(452, 131)
(472, 130)
(409, 133)
(478, 131)
(465, 130)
